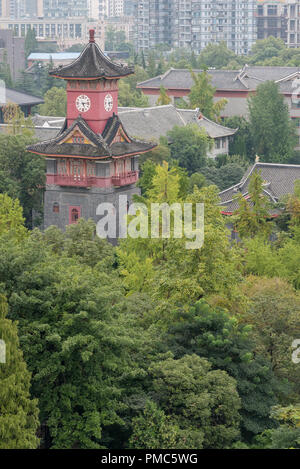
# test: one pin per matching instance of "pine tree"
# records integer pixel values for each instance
(18, 412)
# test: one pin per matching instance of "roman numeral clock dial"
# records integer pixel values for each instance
(83, 103)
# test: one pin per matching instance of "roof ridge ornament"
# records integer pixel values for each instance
(92, 35)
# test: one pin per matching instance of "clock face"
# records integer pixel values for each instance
(83, 103)
(108, 102)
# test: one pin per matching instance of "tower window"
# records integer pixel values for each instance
(56, 207)
(74, 215)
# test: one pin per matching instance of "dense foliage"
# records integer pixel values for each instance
(150, 344)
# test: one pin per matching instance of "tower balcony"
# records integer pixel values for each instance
(125, 179)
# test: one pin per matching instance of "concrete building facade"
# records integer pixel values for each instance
(14, 50)
(293, 23)
(196, 23)
(272, 19)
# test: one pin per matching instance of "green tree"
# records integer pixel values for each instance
(241, 143)
(179, 275)
(15, 119)
(153, 430)
(146, 179)
(272, 131)
(151, 66)
(213, 334)
(204, 403)
(287, 435)
(225, 176)
(163, 98)
(31, 44)
(196, 179)
(18, 412)
(129, 98)
(75, 343)
(266, 49)
(274, 313)
(22, 173)
(55, 103)
(165, 184)
(5, 73)
(216, 55)
(189, 146)
(202, 96)
(252, 219)
(11, 218)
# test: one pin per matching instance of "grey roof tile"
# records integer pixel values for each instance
(279, 181)
(249, 78)
(20, 98)
(152, 123)
(101, 146)
(92, 63)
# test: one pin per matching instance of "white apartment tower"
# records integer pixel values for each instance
(197, 23)
(115, 8)
(293, 23)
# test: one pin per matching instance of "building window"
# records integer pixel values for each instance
(55, 207)
(132, 164)
(74, 215)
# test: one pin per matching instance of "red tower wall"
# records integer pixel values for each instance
(96, 90)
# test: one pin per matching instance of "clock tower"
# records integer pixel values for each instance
(92, 159)
(92, 91)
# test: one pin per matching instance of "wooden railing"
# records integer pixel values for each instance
(75, 181)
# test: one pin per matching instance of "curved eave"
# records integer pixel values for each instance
(70, 156)
(117, 77)
(141, 152)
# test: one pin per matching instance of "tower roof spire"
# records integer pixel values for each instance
(92, 35)
(92, 64)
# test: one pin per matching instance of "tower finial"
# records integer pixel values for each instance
(92, 35)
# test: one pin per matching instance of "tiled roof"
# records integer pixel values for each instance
(20, 98)
(92, 63)
(279, 181)
(247, 79)
(100, 146)
(152, 123)
(53, 55)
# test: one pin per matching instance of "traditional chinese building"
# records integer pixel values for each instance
(92, 159)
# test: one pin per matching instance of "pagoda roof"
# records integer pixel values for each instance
(97, 147)
(92, 64)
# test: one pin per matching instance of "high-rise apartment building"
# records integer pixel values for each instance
(293, 23)
(272, 19)
(115, 8)
(197, 23)
(65, 8)
(153, 23)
